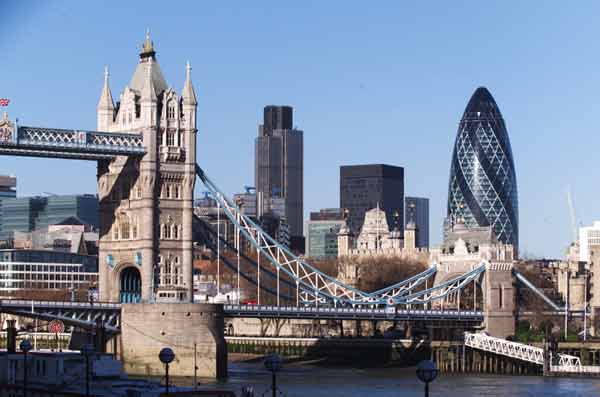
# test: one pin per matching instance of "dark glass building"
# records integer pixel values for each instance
(25, 214)
(483, 185)
(278, 163)
(364, 187)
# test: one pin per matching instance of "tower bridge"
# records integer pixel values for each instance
(145, 148)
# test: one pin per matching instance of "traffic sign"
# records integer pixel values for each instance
(56, 327)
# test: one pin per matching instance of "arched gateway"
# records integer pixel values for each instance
(131, 285)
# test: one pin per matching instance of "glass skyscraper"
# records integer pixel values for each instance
(483, 185)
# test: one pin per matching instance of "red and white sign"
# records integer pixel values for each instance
(56, 327)
(4, 101)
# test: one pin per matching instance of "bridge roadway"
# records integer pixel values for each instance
(87, 314)
(349, 313)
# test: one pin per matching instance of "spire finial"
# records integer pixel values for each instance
(188, 70)
(147, 47)
(189, 96)
(106, 74)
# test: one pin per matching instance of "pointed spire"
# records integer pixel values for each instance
(189, 96)
(147, 47)
(148, 91)
(106, 99)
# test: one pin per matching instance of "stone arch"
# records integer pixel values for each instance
(130, 285)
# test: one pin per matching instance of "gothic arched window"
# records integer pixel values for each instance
(134, 228)
(124, 227)
(171, 110)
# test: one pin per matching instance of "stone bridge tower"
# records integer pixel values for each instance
(146, 203)
(465, 249)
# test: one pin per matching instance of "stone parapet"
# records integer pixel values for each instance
(194, 331)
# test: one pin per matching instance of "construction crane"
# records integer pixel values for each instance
(572, 213)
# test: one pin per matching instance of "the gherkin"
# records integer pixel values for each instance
(483, 185)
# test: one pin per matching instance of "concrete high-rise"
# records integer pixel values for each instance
(279, 165)
(482, 189)
(416, 211)
(364, 187)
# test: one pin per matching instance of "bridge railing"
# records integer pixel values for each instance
(59, 304)
(326, 310)
(519, 351)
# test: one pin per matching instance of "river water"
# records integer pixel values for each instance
(301, 380)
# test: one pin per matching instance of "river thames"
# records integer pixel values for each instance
(301, 380)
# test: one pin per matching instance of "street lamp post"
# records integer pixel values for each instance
(427, 372)
(166, 356)
(87, 350)
(273, 364)
(25, 347)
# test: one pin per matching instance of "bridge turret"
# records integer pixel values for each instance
(106, 105)
(146, 242)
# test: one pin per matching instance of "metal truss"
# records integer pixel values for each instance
(538, 292)
(71, 144)
(443, 290)
(519, 351)
(407, 286)
(315, 287)
(80, 314)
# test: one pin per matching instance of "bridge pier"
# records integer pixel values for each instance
(194, 331)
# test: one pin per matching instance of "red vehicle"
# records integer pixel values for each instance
(249, 302)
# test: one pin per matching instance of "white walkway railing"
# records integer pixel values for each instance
(520, 351)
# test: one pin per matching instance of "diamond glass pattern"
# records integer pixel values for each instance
(483, 185)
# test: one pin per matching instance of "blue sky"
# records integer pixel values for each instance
(384, 83)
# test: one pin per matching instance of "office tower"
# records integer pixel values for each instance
(483, 184)
(364, 187)
(8, 186)
(322, 233)
(26, 214)
(279, 165)
(416, 212)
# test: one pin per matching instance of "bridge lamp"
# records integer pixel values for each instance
(87, 351)
(166, 356)
(427, 372)
(273, 364)
(25, 347)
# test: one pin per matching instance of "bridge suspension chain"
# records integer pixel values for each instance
(316, 287)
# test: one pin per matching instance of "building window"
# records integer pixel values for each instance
(166, 231)
(177, 191)
(175, 232)
(171, 110)
(134, 228)
(124, 226)
(168, 191)
(138, 191)
(115, 232)
(170, 138)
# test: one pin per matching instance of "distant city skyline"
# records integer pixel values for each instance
(390, 92)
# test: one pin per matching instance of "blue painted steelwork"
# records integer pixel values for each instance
(319, 288)
(442, 290)
(349, 313)
(539, 293)
(406, 286)
(81, 314)
(203, 233)
(71, 144)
